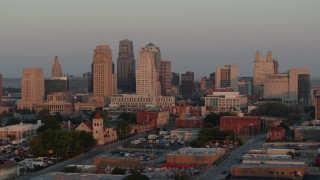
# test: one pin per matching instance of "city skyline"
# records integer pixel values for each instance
(202, 35)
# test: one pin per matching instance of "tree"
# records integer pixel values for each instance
(214, 118)
(181, 176)
(123, 129)
(43, 114)
(118, 170)
(129, 117)
(271, 109)
(136, 175)
(72, 169)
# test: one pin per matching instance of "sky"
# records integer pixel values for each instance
(196, 35)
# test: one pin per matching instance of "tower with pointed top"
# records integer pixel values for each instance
(148, 70)
(263, 66)
(56, 68)
(102, 71)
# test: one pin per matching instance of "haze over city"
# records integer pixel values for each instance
(194, 35)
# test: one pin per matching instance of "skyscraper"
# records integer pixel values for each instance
(126, 70)
(102, 71)
(32, 88)
(188, 88)
(56, 68)
(227, 76)
(0, 90)
(165, 77)
(147, 78)
(175, 79)
(262, 67)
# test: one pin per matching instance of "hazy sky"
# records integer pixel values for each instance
(196, 35)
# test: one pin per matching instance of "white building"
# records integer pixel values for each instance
(226, 101)
(20, 130)
(227, 76)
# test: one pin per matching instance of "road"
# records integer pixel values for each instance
(86, 158)
(215, 172)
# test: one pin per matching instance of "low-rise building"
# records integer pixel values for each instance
(19, 131)
(226, 101)
(132, 100)
(195, 156)
(9, 169)
(156, 118)
(242, 125)
(276, 133)
(57, 102)
(308, 132)
(190, 122)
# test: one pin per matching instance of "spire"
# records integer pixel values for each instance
(269, 56)
(257, 58)
(56, 68)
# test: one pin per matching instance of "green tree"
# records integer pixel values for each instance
(271, 109)
(118, 170)
(214, 118)
(123, 129)
(129, 117)
(49, 123)
(181, 176)
(43, 114)
(72, 169)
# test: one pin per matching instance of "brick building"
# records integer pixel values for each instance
(190, 122)
(242, 125)
(276, 133)
(157, 118)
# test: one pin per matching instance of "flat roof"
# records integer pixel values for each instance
(77, 176)
(196, 151)
(256, 165)
(194, 130)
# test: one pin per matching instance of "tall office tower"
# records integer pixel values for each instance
(147, 78)
(126, 67)
(245, 85)
(212, 79)
(56, 68)
(262, 67)
(0, 90)
(102, 71)
(175, 79)
(32, 88)
(187, 84)
(227, 76)
(80, 84)
(299, 85)
(165, 77)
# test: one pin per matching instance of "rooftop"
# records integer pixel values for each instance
(77, 176)
(196, 151)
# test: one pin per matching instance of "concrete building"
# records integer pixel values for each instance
(225, 101)
(308, 133)
(19, 131)
(57, 102)
(226, 77)
(198, 156)
(156, 118)
(262, 67)
(32, 88)
(241, 125)
(186, 134)
(165, 77)
(175, 79)
(148, 71)
(188, 88)
(131, 100)
(55, 84)
(9, 169)
(126, 67)
(56, 70)
(292, 87)
(102, 71)
(276, 133)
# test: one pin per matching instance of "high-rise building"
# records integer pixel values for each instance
(32, 88)
(317, 106)
(80, 84)
(227, 76)
(292, 87)
(147, 78)
(56, 68)
(102, 71)
(262, 67)
(245, 85)
(0, 90)
(55, 84)
(175, 79)
(165, 77)
(188, 88)
(126, 70)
